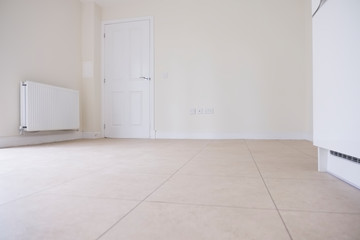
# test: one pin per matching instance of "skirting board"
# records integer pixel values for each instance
(209, 135)
(91, 135)
(23, 140)
(345, 170)
(65, 136)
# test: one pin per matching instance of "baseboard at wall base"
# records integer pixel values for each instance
(39, 138)
(210, 135)
(91, 135)
(344, 169)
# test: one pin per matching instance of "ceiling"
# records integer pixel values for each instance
(103, 3)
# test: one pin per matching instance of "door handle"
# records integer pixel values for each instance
(146, 78)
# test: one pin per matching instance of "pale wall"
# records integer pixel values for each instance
(91, 55)
(250, 60)
(40, 41)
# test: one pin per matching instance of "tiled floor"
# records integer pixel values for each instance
(173, 189)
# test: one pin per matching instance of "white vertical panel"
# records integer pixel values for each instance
(136, 59)
(344, 169)
(136, 108)
(127, 62)
(120, 44)
(49, 108)
(336, 76)
(118, 99)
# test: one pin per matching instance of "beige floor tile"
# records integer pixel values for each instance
(150, 165)
(267, 145)
(319, 226)
(112, 184)
(154, 221)
(12, 159)
(23, 182)
(314, 195)
(61, 155)
(220, 191)
(168, 146)
(298, 144)
(306, 147)
(284, 158)
(177, 155)
(60, 217)
(17, 184)
(227, 148)
(100, 149)
(311, 152)
(228, 145)
(80, 188)
(281, 156)
(232, 143)
(45, 166)
(273, 149)
(292, 169)
(225, 154)
(180, 143)
(220, 167)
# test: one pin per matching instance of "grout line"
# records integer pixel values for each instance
(166, 180)
(297, 149)
(253, 208)
(56, 185)
(211, 205)
(92, 197)
(218, 176)
(46, 188)
(262, 178)
(303, 179)
(320, 212)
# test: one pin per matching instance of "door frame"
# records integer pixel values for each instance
(152, 75)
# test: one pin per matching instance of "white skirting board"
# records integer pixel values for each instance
(346, 170)
(72, 135)
(211, 135)
(33, 139)
(92, 135)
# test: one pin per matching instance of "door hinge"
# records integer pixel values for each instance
(104, 35)
(104, 126)
(104, 80)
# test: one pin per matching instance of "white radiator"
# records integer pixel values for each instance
(47, 108)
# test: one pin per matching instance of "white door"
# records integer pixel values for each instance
(127, 79)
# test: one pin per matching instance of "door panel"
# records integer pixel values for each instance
(117, 107)
(127, 92)
(136, 108)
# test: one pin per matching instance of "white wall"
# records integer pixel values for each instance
(91, 58)
(250, 60)
(40, 41)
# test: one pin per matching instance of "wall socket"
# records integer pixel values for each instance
(209, 110)
(201, 110)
